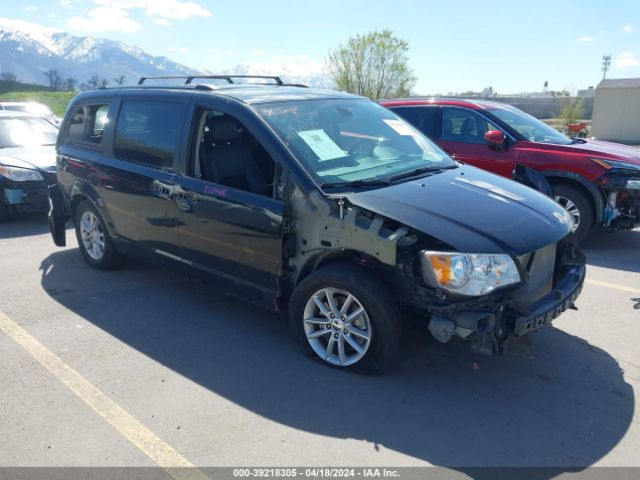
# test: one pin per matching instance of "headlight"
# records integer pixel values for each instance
(468, 273)
(633, 184)
(19, 174)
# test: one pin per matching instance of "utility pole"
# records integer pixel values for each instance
(606, 62)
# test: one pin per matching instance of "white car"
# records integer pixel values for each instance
(33, 108)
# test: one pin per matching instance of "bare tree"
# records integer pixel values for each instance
(120, 80)
(104, 83)
(374, 65)
(55, 80)
(8, 76)
(70, 84)
(93, 82)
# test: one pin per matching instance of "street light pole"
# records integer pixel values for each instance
(606, 62)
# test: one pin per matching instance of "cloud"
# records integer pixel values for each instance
(627, 60)
(627, 29)
(31, 8)
(603, 32)
(586, 38)
(113, 15)
(102, 19)
(67, 3)
(259, 53)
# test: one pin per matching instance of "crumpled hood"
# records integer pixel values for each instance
(472, 210)
(36, 158)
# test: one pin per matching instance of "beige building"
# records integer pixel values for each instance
(616, 110)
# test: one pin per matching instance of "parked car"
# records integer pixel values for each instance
(34, 108)
(597, 182)
(317, 201)
(27, 162)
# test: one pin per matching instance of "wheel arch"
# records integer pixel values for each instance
(347, 256)
(80, 191)
(592, 192)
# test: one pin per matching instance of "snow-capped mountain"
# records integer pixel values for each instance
(29, 50)
(305, 72)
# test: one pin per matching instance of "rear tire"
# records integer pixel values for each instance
(579, 207)
(324, 318)
(93, 237)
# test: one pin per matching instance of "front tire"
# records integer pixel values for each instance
(344, 317)
(579, 207)
(93, 237)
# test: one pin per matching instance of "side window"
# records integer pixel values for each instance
(465, 126)
(424, 118)
(87, 123)
(226, 153)
(147, 132)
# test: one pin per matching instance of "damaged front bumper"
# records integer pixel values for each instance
(27, 196)
(489, 321)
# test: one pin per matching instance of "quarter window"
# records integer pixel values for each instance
(465, 126)
(147, 132)
(424, 119)
(88, 123)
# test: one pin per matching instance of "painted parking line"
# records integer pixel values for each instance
(161, 453)
(622, 288)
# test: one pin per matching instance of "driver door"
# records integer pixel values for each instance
(462, 135)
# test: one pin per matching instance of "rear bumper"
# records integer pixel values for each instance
(554, 303)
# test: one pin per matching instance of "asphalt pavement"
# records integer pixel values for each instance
(142, 366)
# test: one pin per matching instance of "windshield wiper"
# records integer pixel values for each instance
(419, 171)
(372, 182)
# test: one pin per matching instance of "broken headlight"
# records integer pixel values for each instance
(468, 273)
(19, 174)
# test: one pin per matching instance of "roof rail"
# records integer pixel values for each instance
(229, 78)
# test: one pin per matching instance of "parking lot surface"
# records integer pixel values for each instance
(141, 366)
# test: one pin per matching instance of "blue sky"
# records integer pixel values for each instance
(454, 45)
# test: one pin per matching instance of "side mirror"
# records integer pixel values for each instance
(495, 138)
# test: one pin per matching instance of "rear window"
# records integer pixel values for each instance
(87, 123)
(147, 132)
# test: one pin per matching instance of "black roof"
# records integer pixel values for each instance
(246, 93)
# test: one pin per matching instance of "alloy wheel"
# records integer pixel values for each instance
(92, 235)
(337, 326)
(571, 208)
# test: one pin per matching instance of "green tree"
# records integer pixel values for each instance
(572, 111)
(374, 65)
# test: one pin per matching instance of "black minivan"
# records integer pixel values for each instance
(319, 202)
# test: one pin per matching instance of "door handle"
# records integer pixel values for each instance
(162, 189)
(185, 199)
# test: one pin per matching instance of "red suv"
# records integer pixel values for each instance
(597, 182)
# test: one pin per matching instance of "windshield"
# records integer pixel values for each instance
(26, 132)
(355, 140)
(530, 127)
